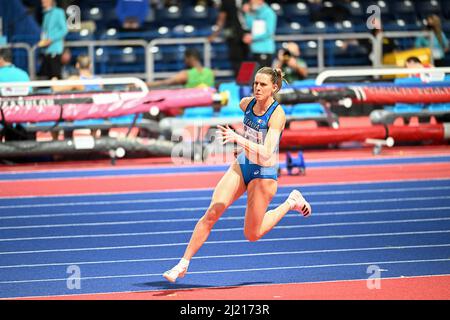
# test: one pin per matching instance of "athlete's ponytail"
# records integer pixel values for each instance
(279, 78)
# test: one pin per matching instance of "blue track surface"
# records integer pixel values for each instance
(124, 242)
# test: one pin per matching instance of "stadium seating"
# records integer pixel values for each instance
(295, 17)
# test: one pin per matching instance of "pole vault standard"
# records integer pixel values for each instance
(17, 106)
(381, 94)
(431, 133)
(433, 92)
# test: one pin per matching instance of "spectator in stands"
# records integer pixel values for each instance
(440, 46)
(231, 21)
(54, 30)
(8, 71)
(294, 68)
(68, 68)
(415, 63)
(195, 76)
(83, 67)
(262, 21)
(132, 13)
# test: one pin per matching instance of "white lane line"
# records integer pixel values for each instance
(288, 216)
(380, 200)
(93, 213)
(235, 270)
(200, 198)
(342, 236)
(225, 256)
(109, 202)
(334, 224)
(199, 209)
(86, 224)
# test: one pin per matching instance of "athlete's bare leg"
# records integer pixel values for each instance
(259, 195)
(229, 189)
(259, 221)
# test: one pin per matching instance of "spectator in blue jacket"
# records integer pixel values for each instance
(54, 30)
(440, 45)
(262, 21)
(8, 71)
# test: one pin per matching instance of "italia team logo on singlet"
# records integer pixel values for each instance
(256, 127)
(253, 134)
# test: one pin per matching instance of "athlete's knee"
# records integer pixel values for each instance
(215, 210)
(252, 235)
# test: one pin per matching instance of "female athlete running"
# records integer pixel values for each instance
(254, 170)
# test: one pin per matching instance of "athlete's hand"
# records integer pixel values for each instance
(227, 134)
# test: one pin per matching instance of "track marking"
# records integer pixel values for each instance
(235, 270)
(343, 236)
(342, 213)
(273, 204)
(200, 198)
(225, 256)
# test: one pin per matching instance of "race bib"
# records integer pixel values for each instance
(253, 135)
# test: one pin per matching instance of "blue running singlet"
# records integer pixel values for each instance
(255, 130)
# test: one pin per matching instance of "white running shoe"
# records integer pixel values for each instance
(298, 203)
(176, 272)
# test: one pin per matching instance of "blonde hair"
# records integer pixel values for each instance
(276, 76)
(83, 61)
(436, 25)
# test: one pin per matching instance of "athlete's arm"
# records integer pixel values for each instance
(243, 105)
(180, 78)
(263, 151)
(222, 16)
